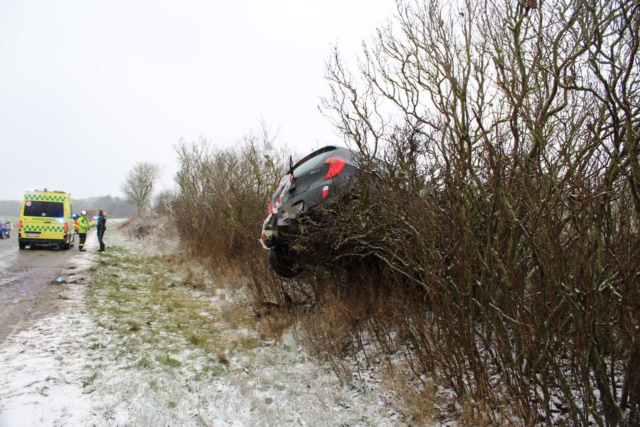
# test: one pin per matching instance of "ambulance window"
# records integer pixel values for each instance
(44, 209)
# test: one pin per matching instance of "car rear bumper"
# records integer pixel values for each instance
(38, 241)
(285, 222)
(277, 230)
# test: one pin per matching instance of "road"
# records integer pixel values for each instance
(28, 280)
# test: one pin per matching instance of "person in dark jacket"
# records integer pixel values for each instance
(101, 227)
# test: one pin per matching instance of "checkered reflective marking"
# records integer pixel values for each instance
(53, 228)
(44, 198)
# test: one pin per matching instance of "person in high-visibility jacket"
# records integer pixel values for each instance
(83, 227)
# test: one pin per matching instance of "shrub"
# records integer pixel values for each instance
(221, 202)
(500, 252)
(494, 243)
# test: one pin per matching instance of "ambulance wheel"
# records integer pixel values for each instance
(21, 245)
(66, 246)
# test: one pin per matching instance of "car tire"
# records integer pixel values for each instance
(282, 263)
(21, 246)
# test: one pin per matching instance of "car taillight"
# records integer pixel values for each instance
(335, 167)
(66, 227)
(19, 225)
(325, 191)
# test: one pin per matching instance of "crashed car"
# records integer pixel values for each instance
(310, 183)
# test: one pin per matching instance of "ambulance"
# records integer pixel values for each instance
(45, 219)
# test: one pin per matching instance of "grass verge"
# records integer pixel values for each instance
(159, 322)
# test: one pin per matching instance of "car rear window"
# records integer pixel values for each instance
(311, 161)
(48, 209)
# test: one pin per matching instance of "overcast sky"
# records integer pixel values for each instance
(88, 88)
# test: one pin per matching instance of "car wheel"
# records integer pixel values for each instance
(21, 246)
(282, 263)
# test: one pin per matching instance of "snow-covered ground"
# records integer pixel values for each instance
(134, 344)
(42, 368)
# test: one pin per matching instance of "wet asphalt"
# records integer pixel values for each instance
(29, 286)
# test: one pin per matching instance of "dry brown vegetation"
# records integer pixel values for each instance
(221, 204)
(496, 250)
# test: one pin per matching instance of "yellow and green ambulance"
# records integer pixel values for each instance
(45, 219)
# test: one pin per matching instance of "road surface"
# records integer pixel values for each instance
(28, 280)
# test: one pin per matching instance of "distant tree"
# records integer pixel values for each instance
(116, 207)
(139, 185)
(162, 202)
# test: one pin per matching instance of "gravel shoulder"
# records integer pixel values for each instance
(25, 278)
